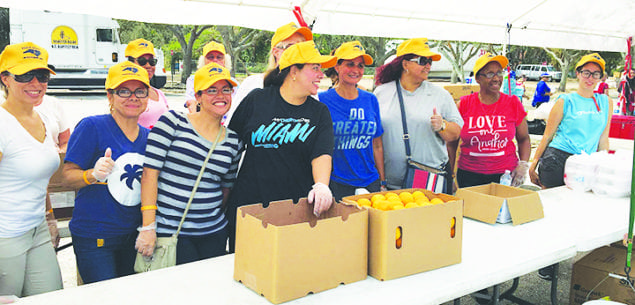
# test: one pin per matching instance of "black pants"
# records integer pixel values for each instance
(551, 167)
(340, 190)
(468, 178)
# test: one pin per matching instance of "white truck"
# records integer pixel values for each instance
(81, 47)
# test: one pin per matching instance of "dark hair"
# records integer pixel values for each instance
(3, 87)
(392, 70)
(276, 77)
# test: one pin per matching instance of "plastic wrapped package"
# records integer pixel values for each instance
(614, 174)
(579, 172)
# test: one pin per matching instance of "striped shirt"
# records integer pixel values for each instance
(177, 151)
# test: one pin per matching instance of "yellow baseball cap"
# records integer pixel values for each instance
(352, 50)
(287, 31)
(593, 57)
(138, 47)
(213, 46)
(208, 75)
(125, 71)
(23, 57)
(305, 53)
(417, 46)
(487, 58)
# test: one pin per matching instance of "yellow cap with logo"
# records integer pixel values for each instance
(305, 53)
(211, 73)
(139, 47)
(125, 71)
(417, 46)
(351, 50)
(593, 57)
(287, 31)
(486, 59)
(23, 57)
(213, 46)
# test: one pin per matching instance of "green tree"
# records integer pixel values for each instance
(238, 40)
(4, 27)
(566, 58)
(186, 36)
(458, 53)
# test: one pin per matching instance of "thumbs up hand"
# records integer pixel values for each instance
(436, 120)
(103, 166)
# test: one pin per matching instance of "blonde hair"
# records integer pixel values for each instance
(228, 62)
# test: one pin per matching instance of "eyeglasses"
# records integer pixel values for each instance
(595, 74)
(211, 56)
(43, 76)
(284, 46)
(142, 61)
(490, 75)
(215, 91)
(352, 64)
(422, 61)
(126, 93)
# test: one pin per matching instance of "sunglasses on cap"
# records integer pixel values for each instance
(43, 76)
(142, 61)
(126, 93)
(422, 61)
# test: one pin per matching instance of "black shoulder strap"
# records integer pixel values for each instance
(406, 136)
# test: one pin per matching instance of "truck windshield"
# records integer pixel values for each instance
(104, 35)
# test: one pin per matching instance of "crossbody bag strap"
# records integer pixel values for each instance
(406, 136)
(198, 179)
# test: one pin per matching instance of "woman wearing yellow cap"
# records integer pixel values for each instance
(28, 159)
(431, 115)
(358, 156)
(492, 121)
(104, 161)
(177, 148)
(578, 122)
(288, 135)
(141, 52)
(284, 37)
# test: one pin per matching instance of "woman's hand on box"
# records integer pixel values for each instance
(321, 197)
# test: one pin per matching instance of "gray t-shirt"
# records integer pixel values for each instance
(426, 146)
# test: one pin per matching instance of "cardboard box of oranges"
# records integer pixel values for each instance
(284, 252)
(411, 231)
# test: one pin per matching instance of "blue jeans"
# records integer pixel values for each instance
(107, 258)
(195, 248)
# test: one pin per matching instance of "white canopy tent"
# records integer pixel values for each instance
(571, 24)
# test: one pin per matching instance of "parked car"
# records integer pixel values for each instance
(533, 72)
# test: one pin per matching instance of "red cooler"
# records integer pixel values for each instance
(622, 126)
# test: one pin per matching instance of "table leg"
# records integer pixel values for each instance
(496, 294)
(554, 284)
(457, 301)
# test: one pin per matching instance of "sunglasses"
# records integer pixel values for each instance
(422, 61)
(215, 91)
(490, 75)
(142, 61)
(126, 93)
(43, 76)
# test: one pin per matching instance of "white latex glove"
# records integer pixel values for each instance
(436, 120)
(519, 173)
(146, 240)
(55, 234)
(104, 166)
(321, 197)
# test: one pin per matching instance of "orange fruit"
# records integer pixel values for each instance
(363, 202)
(383, 205)
(406, 197)
(412, 205)
(398, 233)
(418, 194)
(397, 206)
(394, 199)
(436, 201)
(391, 194)
(424, 203)
(377, 197)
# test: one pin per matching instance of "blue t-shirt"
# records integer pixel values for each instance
(582, 124)
(112, 209)
(539, 95)
(355, 123)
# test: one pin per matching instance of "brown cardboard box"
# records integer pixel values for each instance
(459, 90)
(55, 183)
(484, 203)
(426, 242)
(594, 268)
(284, 252)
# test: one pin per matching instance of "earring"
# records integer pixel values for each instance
(293, 78)
(407, 71)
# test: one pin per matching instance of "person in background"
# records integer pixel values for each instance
(287, 136)
(358, 157)
(519, 91)
(177, 148)
(104, 162)
(432, 116)
(141, 52)
(51, 109)
(543, 92)
(488, 150)
(603, 87)
(578, 122)
(626, 89)
(28, 159)
(284, 37)
(470, 79)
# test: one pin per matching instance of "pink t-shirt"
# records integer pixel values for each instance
(154, 111)
(487, 135)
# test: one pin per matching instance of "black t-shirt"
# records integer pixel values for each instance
(280, 140)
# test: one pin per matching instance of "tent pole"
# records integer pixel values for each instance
(631, 218)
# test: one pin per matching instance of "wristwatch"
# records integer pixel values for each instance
(384, 183)
(442, 126)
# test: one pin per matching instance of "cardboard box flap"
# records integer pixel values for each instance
(525, 208)
(484, 202)
(488, 205)
(289, 213)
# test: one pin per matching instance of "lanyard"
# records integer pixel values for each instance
(596, 103)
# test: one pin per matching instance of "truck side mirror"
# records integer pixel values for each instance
(115, 57)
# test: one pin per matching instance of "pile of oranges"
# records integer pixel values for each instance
(394, 201)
